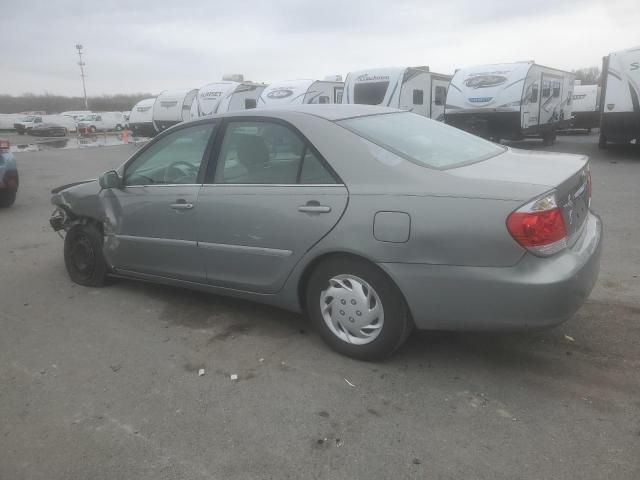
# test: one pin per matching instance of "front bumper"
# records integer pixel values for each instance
(535, 293)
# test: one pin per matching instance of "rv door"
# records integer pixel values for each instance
(530, 109)
(438, 98)
(550, 99)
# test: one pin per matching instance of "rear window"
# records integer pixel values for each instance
(421, 140)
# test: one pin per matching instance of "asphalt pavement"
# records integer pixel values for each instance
(104, 383)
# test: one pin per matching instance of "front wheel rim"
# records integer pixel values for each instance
(352, 310)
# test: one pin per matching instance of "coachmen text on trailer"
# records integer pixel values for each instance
(620, 104)
(510, 101)
(302, 91)
(141, 118)
(174, 106)
(413, 88)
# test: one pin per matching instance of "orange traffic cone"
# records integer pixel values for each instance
(125, 135)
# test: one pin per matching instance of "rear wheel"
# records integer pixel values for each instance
(83, 256)
(118, 127)
(93, 129)
(357, 309)
(7, 198)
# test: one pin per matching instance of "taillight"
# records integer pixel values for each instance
(539, 227)
(4, 144)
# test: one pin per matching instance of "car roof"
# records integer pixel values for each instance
(328, 111)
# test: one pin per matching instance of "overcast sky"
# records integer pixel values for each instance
(159, 44)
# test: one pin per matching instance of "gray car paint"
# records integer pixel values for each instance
(457, 230)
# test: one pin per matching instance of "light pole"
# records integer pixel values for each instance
(81, 63)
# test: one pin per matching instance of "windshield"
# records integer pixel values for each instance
(421, 140)
(86, 117)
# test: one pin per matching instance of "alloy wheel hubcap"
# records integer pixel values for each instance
(352, 310)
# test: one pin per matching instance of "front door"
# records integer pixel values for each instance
(268, 200)
(151, 219)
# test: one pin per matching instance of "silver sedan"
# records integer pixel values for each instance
(370, 220)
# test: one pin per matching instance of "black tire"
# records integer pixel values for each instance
(602, 142)
(93, 129)
(397, 323)
(7, 198)
(83, 256)
(118, 128)
(549, 138)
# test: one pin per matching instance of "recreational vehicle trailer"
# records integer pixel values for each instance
(301, 91)
(620, 104)
(141, 118)
(413, 88)
(585, 113)
(174, 106)
(510, 101)
(228, 96)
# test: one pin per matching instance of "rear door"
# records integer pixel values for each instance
(268, 198)
(152, 217)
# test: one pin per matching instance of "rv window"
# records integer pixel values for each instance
(418, 97)
(546, 89)
(534, 94)
(370, 93)
(337, 94)
(323, 99)
(250, 103)
(441, 95)
(556, 89)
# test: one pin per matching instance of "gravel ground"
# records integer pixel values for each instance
(103, 383)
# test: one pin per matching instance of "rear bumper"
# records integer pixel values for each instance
(535, 293)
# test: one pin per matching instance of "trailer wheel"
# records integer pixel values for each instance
(549, 138)
(602, 142)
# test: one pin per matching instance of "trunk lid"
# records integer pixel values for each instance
(567, 174)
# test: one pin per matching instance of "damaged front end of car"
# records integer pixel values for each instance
(75, 203)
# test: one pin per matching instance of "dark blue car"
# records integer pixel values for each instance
(8, 175)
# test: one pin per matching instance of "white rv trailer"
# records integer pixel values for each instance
(510, 101)
(174, 106)
(141, 118)
(228, 96)
(620, 105)
(301, 91)
(585, 112)
(413, 88)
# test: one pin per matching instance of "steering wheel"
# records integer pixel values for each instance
(169, 177)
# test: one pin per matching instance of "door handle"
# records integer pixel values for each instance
(313, 206)
(181, 204)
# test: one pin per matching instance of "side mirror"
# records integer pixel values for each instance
(110, 179)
